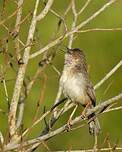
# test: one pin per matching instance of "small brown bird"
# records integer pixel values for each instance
(77, 86)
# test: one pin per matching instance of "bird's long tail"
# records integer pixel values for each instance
(94, 125)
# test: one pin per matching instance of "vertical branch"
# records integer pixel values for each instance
(20, 77)
(45, 61)
(22, 69)
(73, 24)
(21, 111)
(4, 84)
(17, 28)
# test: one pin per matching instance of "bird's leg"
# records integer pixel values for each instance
(70, 118)
(83, 114)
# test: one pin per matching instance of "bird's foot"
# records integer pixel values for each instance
(83, 114)
(68, 126)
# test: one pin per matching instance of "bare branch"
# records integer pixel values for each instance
(28, 88)
(45, 10)
(116, 67)
(91, 150)
(4, 84)
(73, 24)
(84, 7)
(113, 109)
(50, 45)
(58, 40)
(17, 28)
(36, 122)
(64, 127)
(17, 139)
(60, 17)
(100, 29)
(22, 69)
(92, 16)
(1, 138)
(9, 17)
(20, 76)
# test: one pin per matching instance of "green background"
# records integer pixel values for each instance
(103, 50)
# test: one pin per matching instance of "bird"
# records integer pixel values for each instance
(77, 87)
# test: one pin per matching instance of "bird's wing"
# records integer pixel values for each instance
(91, 94)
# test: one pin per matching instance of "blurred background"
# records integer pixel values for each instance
(103, 50)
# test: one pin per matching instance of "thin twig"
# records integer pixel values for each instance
(35, 123)
(28, 88)
(45, 10)
(116, 67)
(84, 7)
(100, 29)
(17, 28)
(60, 17)
(113, 109)
(77, 28)
(73, 23)
(20, 41)
(41, 98)
(10, 16)
(56, 70)
(64, 127)
(90, 150)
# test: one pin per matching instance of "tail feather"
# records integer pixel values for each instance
(94, 127)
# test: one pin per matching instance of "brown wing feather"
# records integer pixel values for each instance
(91, 94)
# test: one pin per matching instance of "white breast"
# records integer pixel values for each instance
(73, 85)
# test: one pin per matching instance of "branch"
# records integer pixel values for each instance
(75, 16)
(113, 109)
(77, 28)
(43, 64)
(91, 150)
(100, 29)
(17, 28)
(20, 77)
(45, 10)
(22, 69)
(64, 127)
(116, 67)
(10, 16)
(93, 16)
(84, 7)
